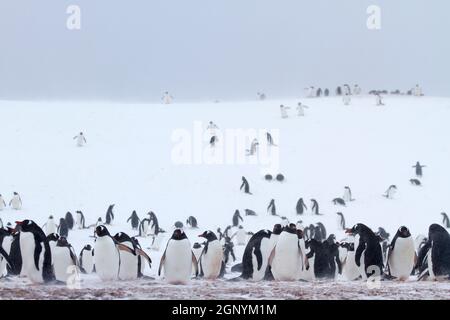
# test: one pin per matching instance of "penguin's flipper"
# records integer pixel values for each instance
(145, 255)
(73, 257)
(123, 247)
(37, 254)
(161, 263)
(6, 257)
(258, 256)
(195, 263)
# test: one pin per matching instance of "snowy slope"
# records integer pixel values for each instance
(127, 161)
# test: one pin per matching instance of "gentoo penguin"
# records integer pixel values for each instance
(178, 259)
(326, 257)
(128, 269)
(418, 168)
(279, 177)
(286, 258)
(350, 270)
(81, 140)
(315, 207)
(64, 259)
(212, 127)
(69, 220)
(368, 253)
(384, 240)
(167, 98)
(438, 255)
(415, 182)
(272, 208)
(109, 215)
(301, 206)
(389, 194)
(228, 249)
(86, 259)
(106, 255)
(346, 99)
(338, 91)
(270, 139)
(256, 254)
(14, 254)
(341, 221)
(197, 249)
(445, 220)
(134, 220)
(283, 110)
(16, 202)
(143, 227)
(236, 218)
(5, 249)
(249, 212)
(50, 226)
(241, 236)
(301, 109)
(212, 256)
(326, 92)
(35, 252)
(63, 229)
(2, 203)
(347, 194)
(153, 229)
(401, 256)
(80, 220)
(339, 201)
(320, 233)
(245, 185)
(192, 222)
(253, 148)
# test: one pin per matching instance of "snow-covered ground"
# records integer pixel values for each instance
(128, 160)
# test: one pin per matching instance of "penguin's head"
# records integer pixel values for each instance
(208, 235)
(178, 234)
(53, 237)
(99, 219)
(15, 193)
(436, 231)
(50, 217)
(197, 245)
(331, 239)
(101, 231)
(339, 214)
(27, 226)
(277, 229)
(403, 232)
(87, 247)
(299, 234)
(122, 237)
(357, 229)
(61, 220)
(179, 224)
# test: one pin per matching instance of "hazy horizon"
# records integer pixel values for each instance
(224, 50)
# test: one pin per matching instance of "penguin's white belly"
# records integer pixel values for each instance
(157, 241)
(211, 262)
(241, 238)
(16, 203)
(62, 263)
(285, 263)
(50, 228)
(144, 228)
(197, 252)
(128, 266)
(106, 259)
(80, 141)
(178, 262)
(2, 204)
(350, 270)
(346, 196)
(79, 222)
(401, 260)
(266, 248)
(29, 270)
(88, 261)
(362, 268)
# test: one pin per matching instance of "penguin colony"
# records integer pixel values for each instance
(285, 252)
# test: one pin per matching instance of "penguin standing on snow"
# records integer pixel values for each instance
(437, 258)
(178, 259)
(315, 207)
(210, 261)
(69, 220)
(212, 127)
(2, 203)
(283, 110)
(129, 257)
(253, 148)
(14, 253)
(106, 255)
(350, 270)
(390, 192)
(301, 206)
(16, 202)
(192, 222)
(236, 218)
(228, 250)
(80, 220)
(86, 259)
(270, 139)
(341, 221)
(241, 236)
(445, 220)
(63, 229)
(346, 99)
(272, 208)
(109, 215)
(339, 201)
(249, 212)
(50, 226)
(401, 256)
(379, 99)
(35, 252)
(415, 182)
(348, 194)
(368, 253)
(245, 185)
(301, 109)
(418, 168)
(134, 220)
(81, 140)
(64, 258)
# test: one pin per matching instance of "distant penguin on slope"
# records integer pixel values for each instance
(2, 203)
(415, 182)
(272, 208)
(134, 220)
(212, 256)
(236, 217)
(81, 140)
(270, 139)
(390, 192)
(81, 223)
(249, 212)
(50, 226)
(445, 220)
(109, 215)
(63, 229)
(35, 253)
(16, 202)
(315, 207)
(348, 194)
(339, 201)
(301, 109)
(178, 259)
(418, 168)
(301, 206)
(64, 260)
(401, 256)
(341, 221)
(106, 255)
(245, 185)
(192, 222)
(86, 259)
(69, 220)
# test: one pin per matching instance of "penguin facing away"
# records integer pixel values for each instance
(245, 186)
(315, 207)
(438, 256)
(339, 201)
(81, 223)
(134, 220)
(63, 229)
(272, 208)
(236, 217)
(301, 206)
(69, 220)
(178, 259)
(192, 222)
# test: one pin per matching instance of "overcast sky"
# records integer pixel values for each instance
(219, 49)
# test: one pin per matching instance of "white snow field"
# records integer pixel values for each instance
(128, 160)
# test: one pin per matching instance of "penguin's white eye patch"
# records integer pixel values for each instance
(29, 222)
